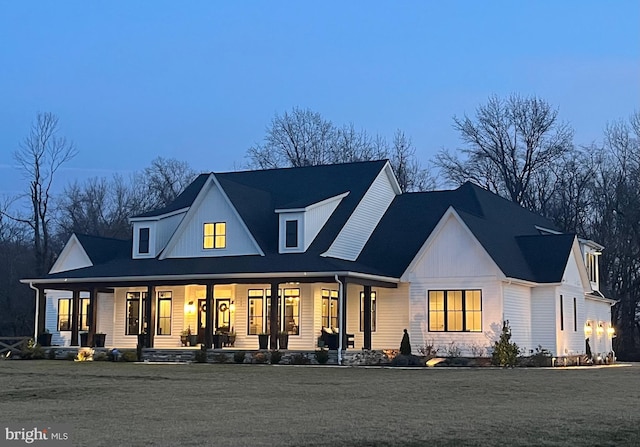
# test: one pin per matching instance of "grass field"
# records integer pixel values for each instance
(125, 404)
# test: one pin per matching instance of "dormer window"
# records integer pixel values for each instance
(215, 235)
(143, 240)
(592, 266)
(291, 234)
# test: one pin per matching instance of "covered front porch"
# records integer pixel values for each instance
(227, 314)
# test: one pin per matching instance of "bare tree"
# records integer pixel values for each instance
(506, 145)
(304, 138)
(617, 226)
(39, 156)
(165, 179)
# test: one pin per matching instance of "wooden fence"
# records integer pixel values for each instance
(11, 345)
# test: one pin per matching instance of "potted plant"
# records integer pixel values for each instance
(263, 340)
(44, 338)
(283, 339)
(84, 339)
(193, 340)
(231, 338)
(99, 339)
(184, 337)
(217, 340)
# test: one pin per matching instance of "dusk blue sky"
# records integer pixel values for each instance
(200, 80)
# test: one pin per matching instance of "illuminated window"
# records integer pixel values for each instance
(256, 311)
(64, 314)
(84, 314)
(260, 311)
(164, 313)
(455, 311)
(291, 233)
(373, 311)
(135, 313)
(330, 308)
(215, 235)
(291, 317)
(143, 241)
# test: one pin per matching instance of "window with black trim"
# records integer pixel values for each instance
(256, 322)
(373, 311)
(260, 310)
(330, 308)
(135, 318)
(143, 240)
(215, 235)
(455, 311)
(164, 313)
(64, 314)
(291, 233)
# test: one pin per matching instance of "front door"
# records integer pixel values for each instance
(223, 315)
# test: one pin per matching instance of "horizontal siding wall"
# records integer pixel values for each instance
(517, 310)
(315, 219)
(543, 318)
(105, 316)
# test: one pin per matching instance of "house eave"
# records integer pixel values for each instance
(159, 216)
(215, 276)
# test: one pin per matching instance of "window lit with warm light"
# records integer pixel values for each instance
(329, 308)
(215, 235)
(373, 311)
(455, 310)
(164, 313)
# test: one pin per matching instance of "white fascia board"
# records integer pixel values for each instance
(159, 217)
(525, 283)
(434, 234)
(591, 244)
(601, 299)
(547, 230)
(230, 277)
(192, 210)
(582, 268)
(392, 178)
(313, 205)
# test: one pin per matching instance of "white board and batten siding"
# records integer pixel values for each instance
(543, 318)
(570, 332)
(598, 312)
(356, 232)
(517, 310)
(214, 207)
(452, 259)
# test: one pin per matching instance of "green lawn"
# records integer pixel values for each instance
(125, 404)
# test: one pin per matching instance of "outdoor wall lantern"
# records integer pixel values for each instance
(600, 329)
(190, 308)
(587, 328)
(611, 331)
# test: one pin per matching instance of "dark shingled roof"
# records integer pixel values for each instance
(506, 231)
(184, 200)
(495, 222)
(103, 249)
